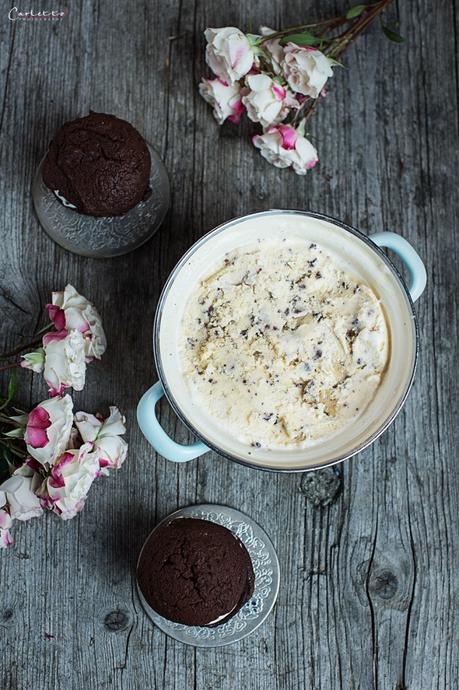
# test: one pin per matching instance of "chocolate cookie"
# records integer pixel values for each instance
(98, 164)
(195, 572)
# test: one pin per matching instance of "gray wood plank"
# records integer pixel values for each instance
(369, 590)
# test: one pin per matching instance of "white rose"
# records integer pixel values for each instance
(228, 53)
(283, 146)
(224, 98)
(20, 490)
(306, 69)
(105, 436)
(274, 48)
(5, 524)
(48, 429)
(65, 490)
(71, 311)
(267, 102)
(65, 361)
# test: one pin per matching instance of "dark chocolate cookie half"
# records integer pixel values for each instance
(99, 164)
(195, 572)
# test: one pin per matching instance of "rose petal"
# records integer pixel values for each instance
(57, 316)
(289, 136)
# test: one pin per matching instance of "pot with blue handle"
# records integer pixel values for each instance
(363, 257)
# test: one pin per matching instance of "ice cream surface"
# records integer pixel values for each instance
(282, 346)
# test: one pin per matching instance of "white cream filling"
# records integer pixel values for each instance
(63, 200)
(221, 617)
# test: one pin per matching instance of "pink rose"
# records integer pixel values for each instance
(306, 69)
(71, 311)
(228, 53)
(104, 435)
(274, 48)
(65, 361)
(224, 98)
(20, 490)
(65, 490)
(283, 146)
(267, 101)
(48, 429)
(5, 524)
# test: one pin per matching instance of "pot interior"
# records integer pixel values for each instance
(356, 256)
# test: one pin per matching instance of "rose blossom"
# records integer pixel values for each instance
(224, 98)
(20, 489)
(48, 429)
(267, 102)
(5, 524)
(65, 490)
(228, 53)
(306, 69)
(35, 361)
(284, 146)
(71, 311)
(65, 362)
(274, 49)
(105, 436)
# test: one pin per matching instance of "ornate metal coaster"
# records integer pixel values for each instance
(104, 237)
(266, 569)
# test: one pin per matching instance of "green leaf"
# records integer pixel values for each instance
(392, 35)
(304, 39)
(10, 450)
(15, 433)
(4, 465)
(252, 39)
(20, 419)
(12, 385)
(7, 462)
(334, 63)
(355, 11)
(12, 388)
(301, 128)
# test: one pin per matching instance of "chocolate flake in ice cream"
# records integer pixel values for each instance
(281, 346)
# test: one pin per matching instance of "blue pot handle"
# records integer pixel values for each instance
(155, 434)
(413, 262)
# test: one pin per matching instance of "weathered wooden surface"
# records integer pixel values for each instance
(369, 595)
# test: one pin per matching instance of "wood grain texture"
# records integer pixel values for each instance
(369, 595)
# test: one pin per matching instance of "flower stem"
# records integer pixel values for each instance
(10, 365)
(327, 24)
(337, 45)
(305, 112)
(311, 110)
(324, 26)
(8, 443)
(342, 42)
(35, 341)
(6, 420)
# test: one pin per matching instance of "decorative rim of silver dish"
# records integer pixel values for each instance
(267, 575)
(108, 236)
